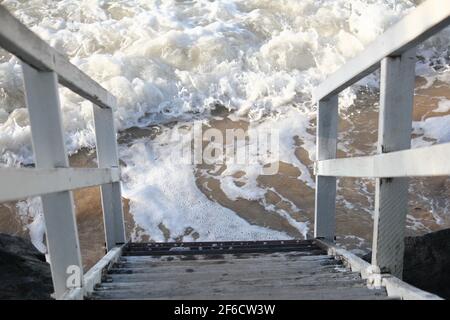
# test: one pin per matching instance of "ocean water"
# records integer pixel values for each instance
(175, 62)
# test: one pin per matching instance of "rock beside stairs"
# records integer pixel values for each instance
(24, 273)
(427, 262)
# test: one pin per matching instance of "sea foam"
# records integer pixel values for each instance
(176, 60)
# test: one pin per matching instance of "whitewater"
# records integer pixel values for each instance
(172, 64)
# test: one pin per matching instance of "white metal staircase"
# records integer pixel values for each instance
(53, 180)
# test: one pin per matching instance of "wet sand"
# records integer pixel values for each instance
(428, 207)
(429, 200)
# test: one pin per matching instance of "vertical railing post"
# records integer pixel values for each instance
(42, 98)
(108, 158)
(394, 133)
(325, 205)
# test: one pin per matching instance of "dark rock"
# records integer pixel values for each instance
(427, 262)
(24, 274)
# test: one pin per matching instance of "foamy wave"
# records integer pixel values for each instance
(164, 196)
(171, 60)
(164, 60)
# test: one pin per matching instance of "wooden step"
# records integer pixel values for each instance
(216, 272)
(308, 249)
(152, 265)
(236, 247)
(273, 292)
(219, 243)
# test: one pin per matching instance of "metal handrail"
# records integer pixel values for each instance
(43, 67)
(394, 53)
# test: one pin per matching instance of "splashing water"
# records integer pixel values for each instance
(178, 60)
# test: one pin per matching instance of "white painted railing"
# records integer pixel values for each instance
(394, 52)
(52, 179)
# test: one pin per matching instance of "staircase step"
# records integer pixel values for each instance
(296, 269)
